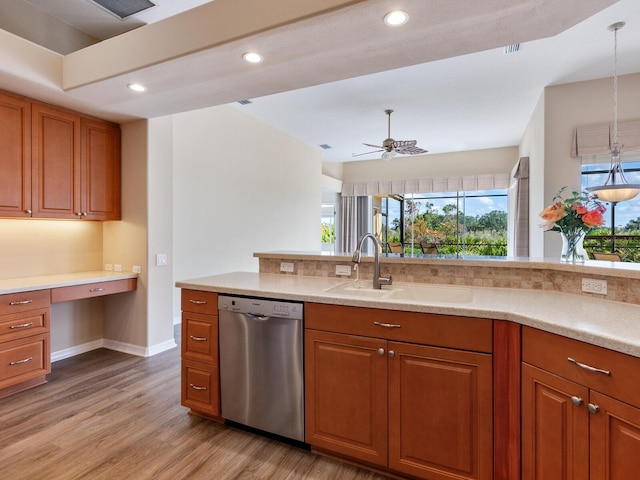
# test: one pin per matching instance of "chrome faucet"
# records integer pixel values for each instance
(378, 281)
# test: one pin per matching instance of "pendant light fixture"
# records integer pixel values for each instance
(616, 188)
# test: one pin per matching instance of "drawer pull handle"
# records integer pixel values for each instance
(387, 325)
(196, 387)
(22, 325)
(199, 302)
(198, 339)
(589, 367)
(22, 302)
(97, 290)
(24, 360)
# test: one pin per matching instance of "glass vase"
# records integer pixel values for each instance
(573, 246)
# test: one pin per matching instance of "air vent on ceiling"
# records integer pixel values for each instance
(513, 48)
(325, 146)
(244, 102)
(124, 8)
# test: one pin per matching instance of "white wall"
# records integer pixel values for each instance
(240, 186)
(532, 146)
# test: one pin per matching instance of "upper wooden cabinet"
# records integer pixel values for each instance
(56, 163)
(15, 157)
(100, 170)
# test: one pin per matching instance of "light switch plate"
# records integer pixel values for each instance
(286, 267)
(343, 270)
(161, 260)
(136, 269)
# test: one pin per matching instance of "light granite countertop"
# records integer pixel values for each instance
(27, 284)
(613, 325)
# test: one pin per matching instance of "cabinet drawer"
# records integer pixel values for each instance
(197, 301)
(200, 337)
(200, 387)
(22, 360)
(19, 325)
(463, 333)
(24, 301)
(551, 352)
(96, 289)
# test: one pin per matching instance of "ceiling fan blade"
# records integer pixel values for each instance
(373, 146)
(410, 150)
(404, 143)
(366, 153)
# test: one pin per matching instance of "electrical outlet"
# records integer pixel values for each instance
(593, 285)
(161, 260)
(286, 267)
(108, 266)
(136, 269)
(343, 270)
(117, 267)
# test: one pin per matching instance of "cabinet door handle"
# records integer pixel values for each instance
(22, 302)
(392, 353)
(589, 367)
(196, 387)
(24, 360)
(593, 408)
(387, 325)
(199, 302)
(22, 325)
(28, 211)
(198, 339)
(381, 351)
(96, 290)
(577, 401)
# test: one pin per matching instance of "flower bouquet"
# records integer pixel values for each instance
(573, 217)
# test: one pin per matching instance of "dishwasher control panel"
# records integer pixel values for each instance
(259, 306)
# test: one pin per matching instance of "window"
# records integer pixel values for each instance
(621, 231)
(328, 227)
(452, 223)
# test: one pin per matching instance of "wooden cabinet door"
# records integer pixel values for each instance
(55, 144)
(440, 412)
(100, 171)
(15, 157)
(555, 431)
(614, 439)
(346, 395)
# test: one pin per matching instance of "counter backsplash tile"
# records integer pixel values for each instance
(618, 289)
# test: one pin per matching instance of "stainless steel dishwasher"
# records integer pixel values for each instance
(261, 364)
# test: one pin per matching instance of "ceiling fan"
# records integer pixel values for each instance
(391, 147)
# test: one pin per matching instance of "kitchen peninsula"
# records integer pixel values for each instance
(520, 338)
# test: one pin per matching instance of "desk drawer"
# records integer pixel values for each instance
(89, 290)
(24, 301)
(22, 360)
(197, 301)
(19, 325)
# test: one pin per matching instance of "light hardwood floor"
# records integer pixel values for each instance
(106, 415)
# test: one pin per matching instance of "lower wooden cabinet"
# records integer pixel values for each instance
(200, 362)
(415, 410)
(572, 426)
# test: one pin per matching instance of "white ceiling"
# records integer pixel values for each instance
(443, 73)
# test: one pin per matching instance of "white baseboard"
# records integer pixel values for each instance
(129, 348)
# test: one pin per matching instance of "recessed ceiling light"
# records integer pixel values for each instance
(252, 57)
(396, 18)
(136, 87)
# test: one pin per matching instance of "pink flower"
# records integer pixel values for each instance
(552, 214)
(593, 218)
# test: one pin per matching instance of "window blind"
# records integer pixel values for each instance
(591, 140)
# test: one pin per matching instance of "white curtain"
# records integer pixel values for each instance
(521, 215)
(465, 183)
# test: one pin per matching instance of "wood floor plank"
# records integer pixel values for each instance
(106, 415)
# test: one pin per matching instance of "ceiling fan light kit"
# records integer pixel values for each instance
(616, 188)
(392, 147)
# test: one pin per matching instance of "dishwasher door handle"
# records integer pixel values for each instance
(254, 316)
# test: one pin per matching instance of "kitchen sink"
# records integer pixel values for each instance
(412, 292)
